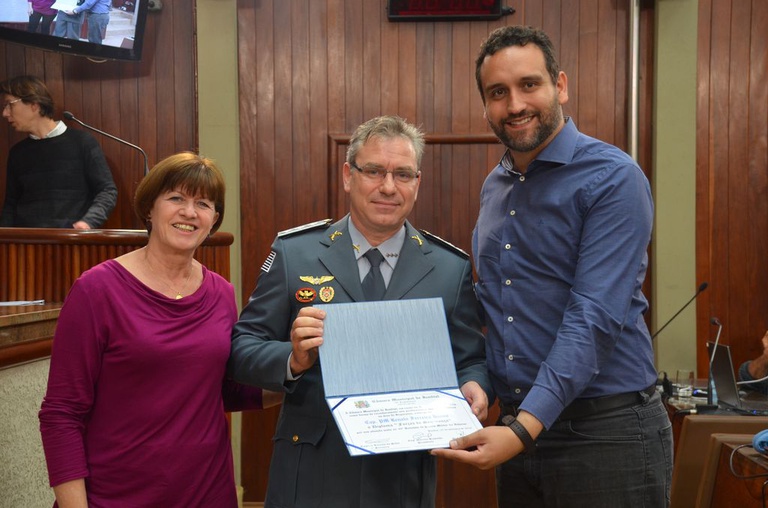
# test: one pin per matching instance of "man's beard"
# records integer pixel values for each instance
(549, 120)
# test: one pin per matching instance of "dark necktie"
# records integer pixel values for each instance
(373, 283)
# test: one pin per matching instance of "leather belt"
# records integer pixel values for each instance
(582, 408)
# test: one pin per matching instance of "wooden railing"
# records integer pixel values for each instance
(42, 264)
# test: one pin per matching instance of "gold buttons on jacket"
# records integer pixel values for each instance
(295, 438)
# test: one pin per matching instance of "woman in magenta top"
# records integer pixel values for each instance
(134, 414)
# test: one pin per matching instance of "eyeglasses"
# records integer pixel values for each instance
(379, 174)
(10, 103)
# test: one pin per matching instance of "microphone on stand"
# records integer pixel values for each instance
(70, 116)
(701, 288)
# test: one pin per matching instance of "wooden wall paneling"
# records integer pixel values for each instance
(587, 97)
(319, 113)
(354, 40)
(370, 77)
(757, 164)
(301, 165)
(567, 48)
(390, 77)
(285, 121)
(731, 159)
(607, 101)
(409, 73)
(738, 177)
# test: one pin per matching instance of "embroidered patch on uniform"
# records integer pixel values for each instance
(316, 281)
(268, 262)
(326, 293)
(306, 295)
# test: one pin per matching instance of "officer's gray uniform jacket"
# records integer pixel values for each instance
(310, 464)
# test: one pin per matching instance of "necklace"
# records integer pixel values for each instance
(178, 293)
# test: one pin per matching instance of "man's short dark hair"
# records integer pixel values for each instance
(508, 36)
(31, 90)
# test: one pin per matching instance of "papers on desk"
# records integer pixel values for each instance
(390, 378)
(22, 302)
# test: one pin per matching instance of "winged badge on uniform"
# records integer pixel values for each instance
(316, 281)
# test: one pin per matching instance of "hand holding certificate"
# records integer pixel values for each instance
(392, 388)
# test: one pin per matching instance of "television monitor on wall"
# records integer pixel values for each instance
(122, 39)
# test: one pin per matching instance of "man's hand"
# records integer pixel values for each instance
(490, 447)
(81, 225)
(306, 337)
(477, 398)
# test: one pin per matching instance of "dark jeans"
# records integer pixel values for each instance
(45, 26)
(618, 458)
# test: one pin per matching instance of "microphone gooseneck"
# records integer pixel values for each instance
(702, 287)
(70, 116)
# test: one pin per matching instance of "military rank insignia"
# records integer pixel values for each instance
(326, 294)
(306, 295)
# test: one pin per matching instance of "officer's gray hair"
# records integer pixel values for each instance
(387, 126)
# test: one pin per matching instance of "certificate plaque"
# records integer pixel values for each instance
(389, 376)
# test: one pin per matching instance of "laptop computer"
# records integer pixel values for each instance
(725, 383)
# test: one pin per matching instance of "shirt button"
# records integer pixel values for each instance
(295, 438)
(511, 357)
(508, 282)
(522, 178)
(510, 319)
(512, 212)
(507, 246)
(518, 390)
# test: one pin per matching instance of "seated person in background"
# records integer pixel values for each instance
(756, 369)
(56, 177)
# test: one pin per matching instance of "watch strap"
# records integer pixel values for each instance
(529, 445)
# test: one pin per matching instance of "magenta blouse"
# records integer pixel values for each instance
(136, 393)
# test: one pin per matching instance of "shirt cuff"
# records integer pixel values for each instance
(288, 374)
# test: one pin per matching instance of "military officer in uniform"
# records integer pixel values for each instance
(275, 342)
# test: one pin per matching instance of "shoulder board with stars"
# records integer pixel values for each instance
(305, 227)
(444, 243)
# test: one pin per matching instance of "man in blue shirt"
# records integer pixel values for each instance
(98, 17)
(560, 250)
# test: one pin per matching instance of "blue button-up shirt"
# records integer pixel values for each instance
(94, 6)
(560, 253)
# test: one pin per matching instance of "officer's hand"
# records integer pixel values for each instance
(306, 337)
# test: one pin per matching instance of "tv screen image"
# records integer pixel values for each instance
(55, 30)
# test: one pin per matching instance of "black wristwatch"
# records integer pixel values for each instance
(528, 443)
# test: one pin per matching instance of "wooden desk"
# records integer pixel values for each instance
(734, 491)
(26, 332)
(42, 264)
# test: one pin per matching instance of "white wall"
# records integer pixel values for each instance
(674, 186)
